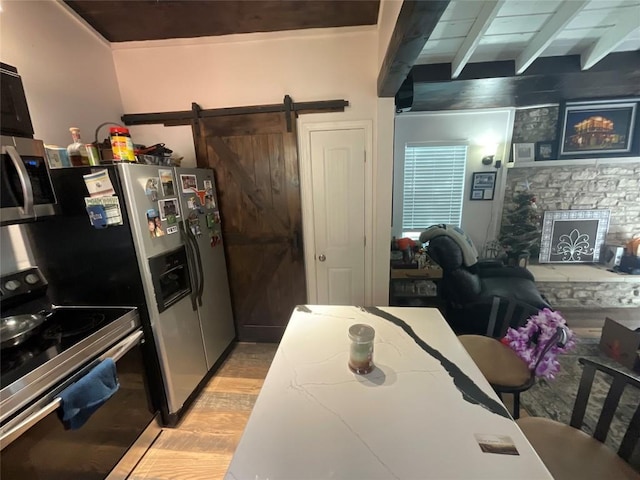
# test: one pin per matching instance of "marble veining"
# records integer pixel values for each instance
(470, 391)
(407, 419)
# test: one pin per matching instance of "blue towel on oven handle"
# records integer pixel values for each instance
(82, 398)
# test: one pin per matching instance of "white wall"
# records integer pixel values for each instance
(69, 80)
(261, 68)
(244, 70)
(478, 128)
(67, 70)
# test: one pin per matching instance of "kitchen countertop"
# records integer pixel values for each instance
(417, 415)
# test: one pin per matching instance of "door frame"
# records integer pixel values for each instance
(306, 197)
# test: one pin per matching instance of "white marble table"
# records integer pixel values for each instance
(416, 416)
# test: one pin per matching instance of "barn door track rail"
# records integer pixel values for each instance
(186, 117)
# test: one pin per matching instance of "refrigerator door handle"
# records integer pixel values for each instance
(190, 260)
(198, 259)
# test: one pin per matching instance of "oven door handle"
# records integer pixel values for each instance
(116, 353)
(12, 434)
(121, 349)
(25, 181)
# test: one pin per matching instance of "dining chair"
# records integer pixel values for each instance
(568, 451)
(503, 368)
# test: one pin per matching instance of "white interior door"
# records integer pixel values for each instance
(338, 179)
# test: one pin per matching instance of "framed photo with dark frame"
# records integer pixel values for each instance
(546, 151)
(483, 186)
(598, 128)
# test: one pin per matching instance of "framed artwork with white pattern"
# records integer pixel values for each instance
(573, 236)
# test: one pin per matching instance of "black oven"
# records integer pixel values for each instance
(72, 341)
(15, 120)
(26, 192)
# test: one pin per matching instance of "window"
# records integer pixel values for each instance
(433, 187)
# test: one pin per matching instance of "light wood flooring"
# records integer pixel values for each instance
(202, 445)
(589, 322)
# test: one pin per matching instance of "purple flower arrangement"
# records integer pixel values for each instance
(529, 341)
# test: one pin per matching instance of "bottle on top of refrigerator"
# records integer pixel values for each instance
(121, 145)
(77, 150)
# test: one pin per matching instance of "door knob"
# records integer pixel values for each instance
(322, 258)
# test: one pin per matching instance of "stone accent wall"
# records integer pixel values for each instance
(612, 186)
(591, 294)
(537, 124)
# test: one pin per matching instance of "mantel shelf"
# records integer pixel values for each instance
(575, 162)
(579, 273)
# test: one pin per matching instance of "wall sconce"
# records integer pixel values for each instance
(489, 151)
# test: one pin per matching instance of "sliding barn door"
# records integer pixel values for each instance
(255, 161)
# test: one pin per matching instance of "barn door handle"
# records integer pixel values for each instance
(322, 258)
(296, 240)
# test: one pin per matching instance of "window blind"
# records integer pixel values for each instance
(433, 186)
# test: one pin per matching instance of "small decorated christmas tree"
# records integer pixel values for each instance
(520, 235)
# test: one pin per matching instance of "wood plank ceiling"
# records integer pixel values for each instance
(125, 20)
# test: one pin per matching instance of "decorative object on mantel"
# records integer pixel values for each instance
(529, 340)
(546, 150)
(598, 128)
(521, 230)
(523, 152)
(573, 236)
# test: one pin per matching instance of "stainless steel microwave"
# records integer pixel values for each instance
(26, 192)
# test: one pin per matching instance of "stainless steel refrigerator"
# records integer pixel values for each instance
(176, 226)
(152, 240)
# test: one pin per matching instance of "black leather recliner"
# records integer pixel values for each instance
(483, 297)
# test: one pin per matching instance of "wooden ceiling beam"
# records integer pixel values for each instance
(547, 80)
(613, 37)
(482, 23)
(567, 12)
(416, 21)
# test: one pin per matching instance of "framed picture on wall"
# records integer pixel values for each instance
(598, 128)
(545, 151)
(523, 152)
(483, 185)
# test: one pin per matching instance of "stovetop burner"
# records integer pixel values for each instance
(78, 324)
(64, 328)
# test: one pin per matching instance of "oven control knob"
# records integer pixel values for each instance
(12, 285)
(32, 279)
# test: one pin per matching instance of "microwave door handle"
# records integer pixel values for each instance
(192, 271)
(25, 182)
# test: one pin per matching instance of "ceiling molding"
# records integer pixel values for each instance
(613, 37)
(416, 21)
(480, 26)
(237, 38)
(550, 30)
